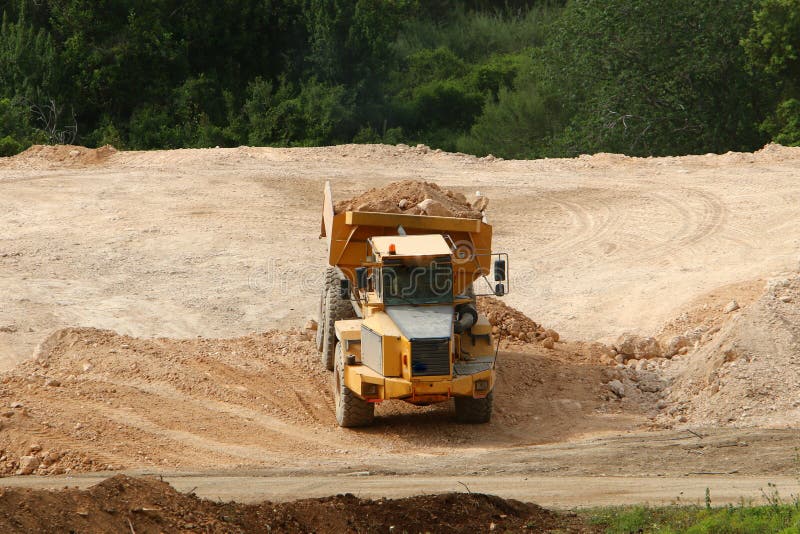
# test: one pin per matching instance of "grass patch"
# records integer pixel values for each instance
(740, 519)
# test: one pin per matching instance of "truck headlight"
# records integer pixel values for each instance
(369, 390)
(481, 385)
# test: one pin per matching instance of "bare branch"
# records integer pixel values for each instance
(49, 116)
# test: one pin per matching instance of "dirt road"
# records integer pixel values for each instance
(187, 257)
(653, 467)
(550, 492)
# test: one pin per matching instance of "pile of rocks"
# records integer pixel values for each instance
(634, 347)
(513, 325)
(747, 373)
(33, 460)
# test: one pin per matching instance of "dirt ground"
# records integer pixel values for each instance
(152, 307)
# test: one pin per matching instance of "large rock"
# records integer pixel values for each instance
(650, 386)
(381, 206)
(457, 196)
(50, 458)
(433, 208)
(27, 465)
(553, 334)
(676, 344)
(617, 388)
(639, 347)
(732, 306)
(480, 203)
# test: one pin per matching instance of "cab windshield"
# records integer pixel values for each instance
(417, 282)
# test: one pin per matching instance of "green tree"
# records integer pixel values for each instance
(350, 41)
(316, 114)
(118, 54)
(27, 59)
(773, 48)
(653, 77)
(28, 73)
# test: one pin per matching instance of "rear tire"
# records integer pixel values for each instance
(474, 411)
(351, 410)
(335, 308)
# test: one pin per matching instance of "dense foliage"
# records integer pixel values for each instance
(521, 78)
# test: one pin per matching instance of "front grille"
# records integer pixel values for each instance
(430, 357)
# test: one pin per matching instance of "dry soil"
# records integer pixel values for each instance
(152, 308)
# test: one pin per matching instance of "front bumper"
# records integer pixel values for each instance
(374, 387)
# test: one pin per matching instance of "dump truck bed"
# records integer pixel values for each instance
(347, 234)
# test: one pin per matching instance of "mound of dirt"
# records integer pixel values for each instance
(749, 373)
(63, 156)
(94, 400)
(124, 504)
(414, 197)
(513, 325)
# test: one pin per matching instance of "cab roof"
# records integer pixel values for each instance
(412, 245)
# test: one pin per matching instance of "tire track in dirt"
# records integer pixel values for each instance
(714, 217)
(268, 423)
(614, 227)
(586, 224)
(694, 225)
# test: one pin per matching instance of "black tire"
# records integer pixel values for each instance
(474, 411)
(335, 309)
(351, 410)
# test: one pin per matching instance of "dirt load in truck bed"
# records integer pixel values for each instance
(414, 197)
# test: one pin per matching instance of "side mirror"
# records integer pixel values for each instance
(344, 289)
(361, 277)
(499, 290)
(499, 270)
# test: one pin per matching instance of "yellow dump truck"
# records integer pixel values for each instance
(397, 316)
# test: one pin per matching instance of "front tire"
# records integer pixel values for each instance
(351, 410)
(474, 411)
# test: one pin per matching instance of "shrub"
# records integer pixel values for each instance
(432, 64)
(446, 104)
(784, 124)
(316, 115)
(9, 146)
(150, 129)
(106, 134)
(499, 72)
(519, 125)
